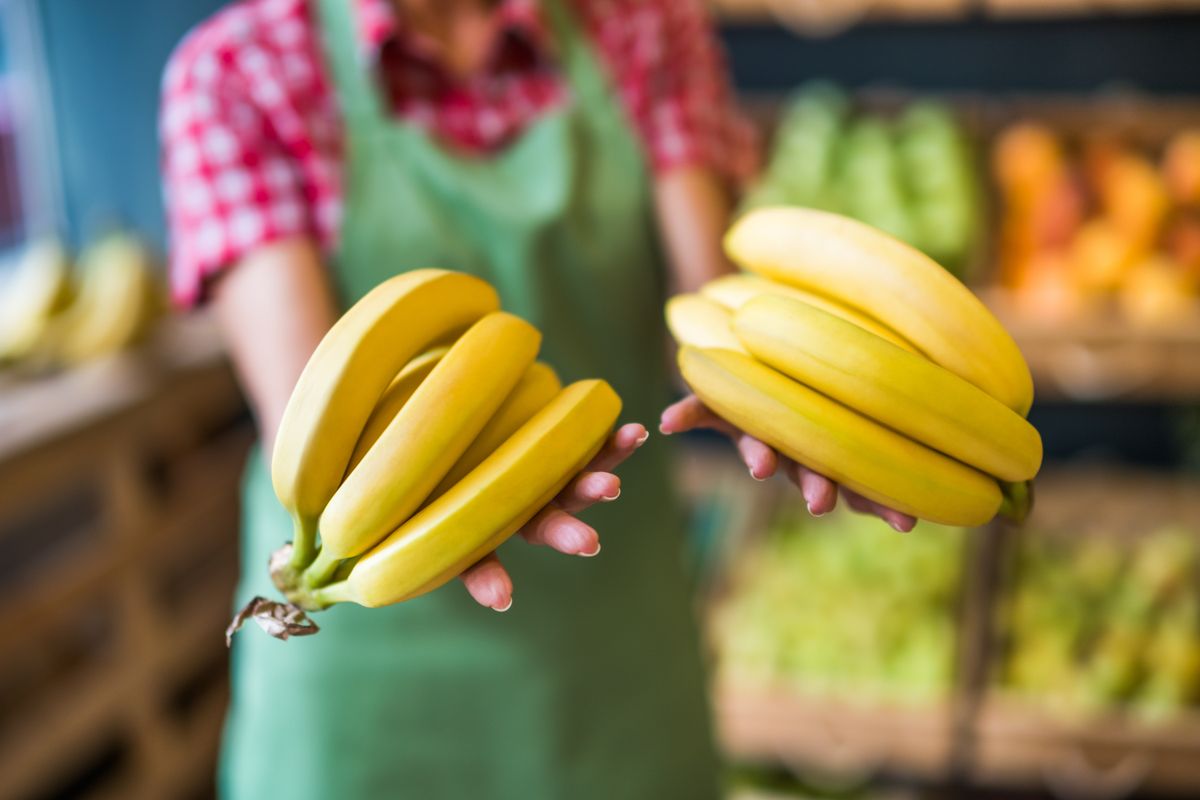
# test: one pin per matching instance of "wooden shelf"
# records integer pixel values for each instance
(824, 17)
(117, 609)
(1109, 755)
(831, 736)
(1104, 358)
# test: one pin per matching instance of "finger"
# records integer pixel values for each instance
(489, 583)
(759, 458)
(689, 414)
(558, 530)
(900, 522)
(620, 446)
(819, 492)
(588, 488)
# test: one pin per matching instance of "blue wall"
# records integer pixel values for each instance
(105, 60)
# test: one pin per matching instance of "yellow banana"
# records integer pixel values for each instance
(487, 506)
(538, 386)
(896, 284)
(114, 305)
(734, 291)
(433, 429)
(347, 374)
(838, 442)
(393, 399)
(902, 390)
(697, 321)
(36, 287)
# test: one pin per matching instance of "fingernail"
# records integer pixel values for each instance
(609, 499)
(752, 475)
(504, 608)
(897, 527)
(815, 513)
(592, 554)
(662, 428)
(641, 440)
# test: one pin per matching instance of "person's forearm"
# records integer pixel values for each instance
(693, 206)
(273, 307)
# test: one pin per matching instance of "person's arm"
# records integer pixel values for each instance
(693, 206)
(274, 305)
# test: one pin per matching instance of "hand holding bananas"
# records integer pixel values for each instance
(861, 359)
(422, 434)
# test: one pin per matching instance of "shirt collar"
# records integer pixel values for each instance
(378, 23)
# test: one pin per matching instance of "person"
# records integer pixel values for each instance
(581, 156)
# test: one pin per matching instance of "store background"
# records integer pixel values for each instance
(107, 688)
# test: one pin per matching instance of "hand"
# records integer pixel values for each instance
(554, 526)
(819, 492)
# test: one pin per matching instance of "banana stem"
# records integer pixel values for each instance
(333, 593)
(304, 542)
(321, 570)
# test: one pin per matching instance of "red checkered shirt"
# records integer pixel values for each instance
(252, 133)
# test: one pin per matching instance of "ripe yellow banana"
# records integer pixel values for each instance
(346, 376)
(393, 399)
(838, 442)
(433, 429)
(892, 282)
(734, 291)
(697, 321)
(538, 386)
(902, 390)
(37, 286)
(487, 506)
(117, 299)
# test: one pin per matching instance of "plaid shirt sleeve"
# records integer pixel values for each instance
(674, 82)
(229, 185)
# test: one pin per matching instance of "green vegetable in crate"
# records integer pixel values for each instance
(799, 614)
(800, 170)
(869, 184)
(941, 181)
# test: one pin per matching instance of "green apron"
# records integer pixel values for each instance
(591, 685)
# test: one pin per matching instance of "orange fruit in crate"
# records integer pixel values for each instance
(1134, 198)
(1181, 167)
(1100, 257)
(1183, 243)
(1026, 159)
(1157, 292)
(1047, 289)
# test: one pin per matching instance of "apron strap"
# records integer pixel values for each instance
(357, 92)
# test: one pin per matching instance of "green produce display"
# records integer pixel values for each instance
(913, 176)
(1092, 624)
(943, 187)
(844, 606)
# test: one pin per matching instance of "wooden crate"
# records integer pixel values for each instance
(118, 519)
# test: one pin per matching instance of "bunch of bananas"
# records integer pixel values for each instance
(422, 434)
(48, 317)
(859, 357)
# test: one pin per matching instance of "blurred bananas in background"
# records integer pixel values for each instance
(814, 606)
(54, 314)
(911, 176)
(1099, 224)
